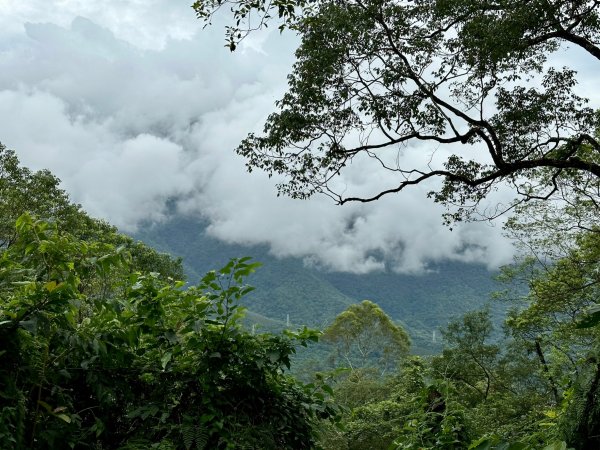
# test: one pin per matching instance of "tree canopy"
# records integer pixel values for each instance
(470, 84)
(365, 333)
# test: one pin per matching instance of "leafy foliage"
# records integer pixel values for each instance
(149, 365)
(374, 76)
(468, 358)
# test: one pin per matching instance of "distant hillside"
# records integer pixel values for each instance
(424, 303)
(287, 288)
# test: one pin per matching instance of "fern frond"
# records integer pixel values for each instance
(188, 434)
(201, 437)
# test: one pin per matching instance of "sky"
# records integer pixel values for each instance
(133, 105)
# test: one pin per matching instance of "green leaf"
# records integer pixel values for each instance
(327, 389)
(46, 406)
(64, 417)
(50, 286)
(165, 360)
(558, 445)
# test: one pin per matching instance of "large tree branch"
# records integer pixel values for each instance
(566, 35)
(507, 170)
(492, 141)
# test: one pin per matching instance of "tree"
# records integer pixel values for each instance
(365, 336)
(465, 81)
(22, 190)
(39, 193)
(101, 346)
(468, 358)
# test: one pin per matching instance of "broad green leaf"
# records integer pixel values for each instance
(64, 417)
(165, 359)
(50, 286)
(558, 445)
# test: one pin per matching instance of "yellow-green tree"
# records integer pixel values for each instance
(364, 335)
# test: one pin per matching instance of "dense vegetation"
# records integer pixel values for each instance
(100, 348)
(537, 386)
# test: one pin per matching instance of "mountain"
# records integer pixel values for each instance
(290, 292)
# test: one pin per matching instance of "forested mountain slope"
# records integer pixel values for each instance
(309, 296)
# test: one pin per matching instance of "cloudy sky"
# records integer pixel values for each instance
(132, 103)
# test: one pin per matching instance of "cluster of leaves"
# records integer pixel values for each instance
(407, 410)
(144, 364)
(475, 394)
(559, 316)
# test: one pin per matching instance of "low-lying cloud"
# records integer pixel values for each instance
(133, 121)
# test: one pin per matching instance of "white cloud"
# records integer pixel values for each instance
(147, 24)
(133, 106)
